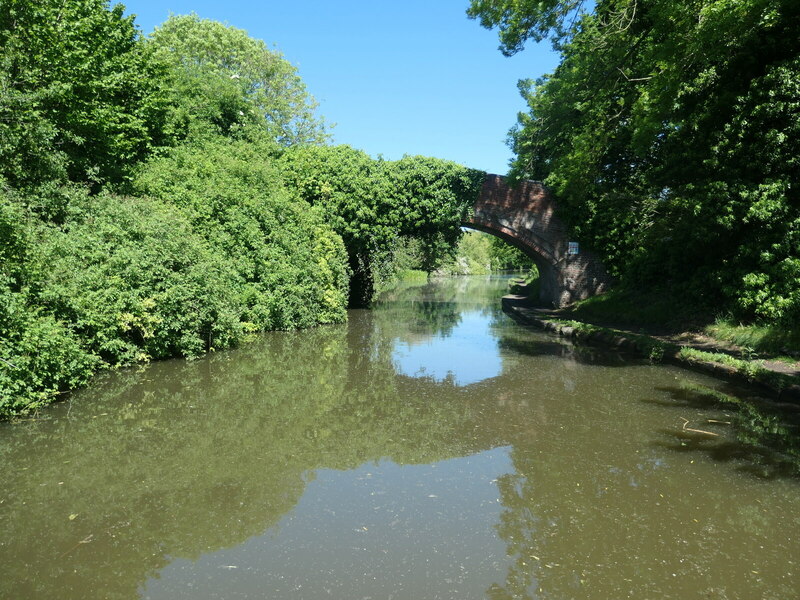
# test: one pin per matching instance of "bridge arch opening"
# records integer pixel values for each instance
(544, 266)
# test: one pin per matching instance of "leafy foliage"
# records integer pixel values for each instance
(124, 282)
(291, 265)
(670, 134)
(135, 282)
(127, 279)
(473, 255)
(222, 80)
(521, 20)
(376, 205)
(480, 253)
(78, 96)
(506, 256)
(221, 249)
(38, 354)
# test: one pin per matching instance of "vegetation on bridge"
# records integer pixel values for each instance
(169, 195)
(381, 207)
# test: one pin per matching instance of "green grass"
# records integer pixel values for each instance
(656, 350)
(526, 284)
(399, 277)
(752, 370)
(635, 309)
(653, 311)
(412, 275)
(762, 339)
(717, 357)
(650, 347)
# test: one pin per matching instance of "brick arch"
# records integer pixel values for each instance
(525, 216)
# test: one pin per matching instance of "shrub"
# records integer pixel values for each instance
(291, 265)
(39, 355)
(136, 282)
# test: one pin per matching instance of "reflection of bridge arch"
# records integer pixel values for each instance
(524, 216)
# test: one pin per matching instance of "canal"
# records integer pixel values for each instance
(430, 448)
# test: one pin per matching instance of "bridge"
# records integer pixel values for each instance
(525, 216)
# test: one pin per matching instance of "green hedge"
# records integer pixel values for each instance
(224, 250)
(291, 265)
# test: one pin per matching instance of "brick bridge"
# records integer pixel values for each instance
(524, 216)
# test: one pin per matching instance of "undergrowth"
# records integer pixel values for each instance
(765, 339)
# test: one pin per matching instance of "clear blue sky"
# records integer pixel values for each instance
(402, 77)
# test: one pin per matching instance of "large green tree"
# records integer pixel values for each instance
(669, 133)
(79, 98)
(222, 80)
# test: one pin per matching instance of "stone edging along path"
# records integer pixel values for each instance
(779, 386)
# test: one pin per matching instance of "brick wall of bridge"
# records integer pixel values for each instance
(525, 216)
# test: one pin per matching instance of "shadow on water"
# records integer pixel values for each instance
(547, 345)
(759, 436)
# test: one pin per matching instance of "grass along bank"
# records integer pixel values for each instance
(687, 348)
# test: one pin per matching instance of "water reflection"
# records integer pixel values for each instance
(446, 332)
(185, 458)
(305, 466)
(466, 354)
(402, 534)
(766, 435)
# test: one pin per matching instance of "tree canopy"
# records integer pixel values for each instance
(669, 133)
(523, 20)
(78, 96)
(220, 79)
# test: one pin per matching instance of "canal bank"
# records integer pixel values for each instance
(692, 351)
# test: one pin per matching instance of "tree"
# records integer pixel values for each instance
(521, 20)
(222, 80)
(78, 96)
(669, 134)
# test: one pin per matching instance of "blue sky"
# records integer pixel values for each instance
(407, 77)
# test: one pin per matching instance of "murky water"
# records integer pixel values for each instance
(430, 448)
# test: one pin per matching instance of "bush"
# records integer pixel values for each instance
(291, 265)
(137, 283)
(39, 355)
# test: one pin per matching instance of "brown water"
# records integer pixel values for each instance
(430, 448)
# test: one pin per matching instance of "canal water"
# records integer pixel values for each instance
(428, 449)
